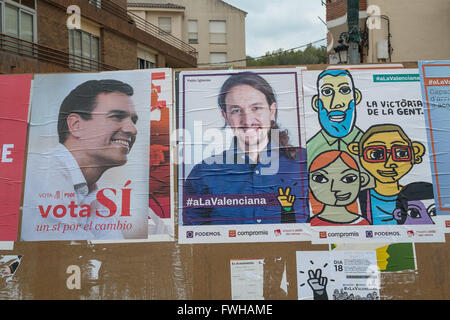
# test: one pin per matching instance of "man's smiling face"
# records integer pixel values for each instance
(336, 104)
(111, 132)
(249, 115)
(387, 156)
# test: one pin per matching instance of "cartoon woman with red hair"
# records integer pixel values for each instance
(334, 184)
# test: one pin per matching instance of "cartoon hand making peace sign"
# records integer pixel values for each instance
(285, 199)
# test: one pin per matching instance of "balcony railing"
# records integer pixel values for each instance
(144, 25)
(33, 50)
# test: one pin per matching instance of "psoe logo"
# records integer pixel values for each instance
(447, 223)
(410, 233)
(322, 234)
(369, 234)
(189, 234)
(232, 233)
(277, 232)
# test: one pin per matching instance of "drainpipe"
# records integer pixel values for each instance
(354, 36)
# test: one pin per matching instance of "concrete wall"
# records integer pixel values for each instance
(419, 28)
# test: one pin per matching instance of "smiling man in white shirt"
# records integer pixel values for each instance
(97, 130)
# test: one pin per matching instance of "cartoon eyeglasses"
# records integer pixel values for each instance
(379, 153)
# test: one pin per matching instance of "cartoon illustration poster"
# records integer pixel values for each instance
(242, 158)
(14, 105)
(337, 275)
(88, 155)
(368, 158)
(435, 80)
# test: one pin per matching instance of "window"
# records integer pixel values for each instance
(217, 32)
(145, 64)
(97, 3)
(84, 50)
(165, 24)
(146, 57)
(18, 22)
(27, 3)
(192, 31)
(12, 21)
(217, 58)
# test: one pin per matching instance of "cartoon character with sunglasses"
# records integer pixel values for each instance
(388, 154)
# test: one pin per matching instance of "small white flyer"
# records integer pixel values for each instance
(247, 279)
(337, 275)
(6, 245)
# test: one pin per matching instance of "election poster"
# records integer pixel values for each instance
(242, 158)
(88, 157)
(391, 257)
(337, 275)
(160, 200)
(368, 157)
(435, 80)
(161, 184)
(14, 105)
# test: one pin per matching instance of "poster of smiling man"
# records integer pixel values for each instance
(88, 157)
(367, 155)
(242, 170)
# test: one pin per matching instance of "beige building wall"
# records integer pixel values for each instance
(419, 29)
(203, 11)
(152, 15)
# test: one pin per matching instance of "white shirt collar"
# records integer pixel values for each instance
(78, 180)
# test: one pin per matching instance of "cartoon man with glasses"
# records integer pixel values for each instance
(387, 153)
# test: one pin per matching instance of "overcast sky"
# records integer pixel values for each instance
(274, 24)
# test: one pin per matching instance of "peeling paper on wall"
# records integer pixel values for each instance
(9, 265)
(284, 284)
(247, 279)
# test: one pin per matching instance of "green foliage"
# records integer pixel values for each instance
(311, 55)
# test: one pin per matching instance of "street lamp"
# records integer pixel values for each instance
(342, 51)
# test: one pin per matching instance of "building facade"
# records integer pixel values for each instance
(45, 36)
(213, 27)
(394, 31)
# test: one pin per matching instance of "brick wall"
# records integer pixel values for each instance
(118, 51)
(338, 8)
(51, 26)
(12, 63)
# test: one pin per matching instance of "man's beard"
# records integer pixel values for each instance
(344, 120)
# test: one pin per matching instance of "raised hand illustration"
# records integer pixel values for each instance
(285, 199)
(318, 284)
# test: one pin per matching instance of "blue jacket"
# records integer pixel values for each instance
(245, 181)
